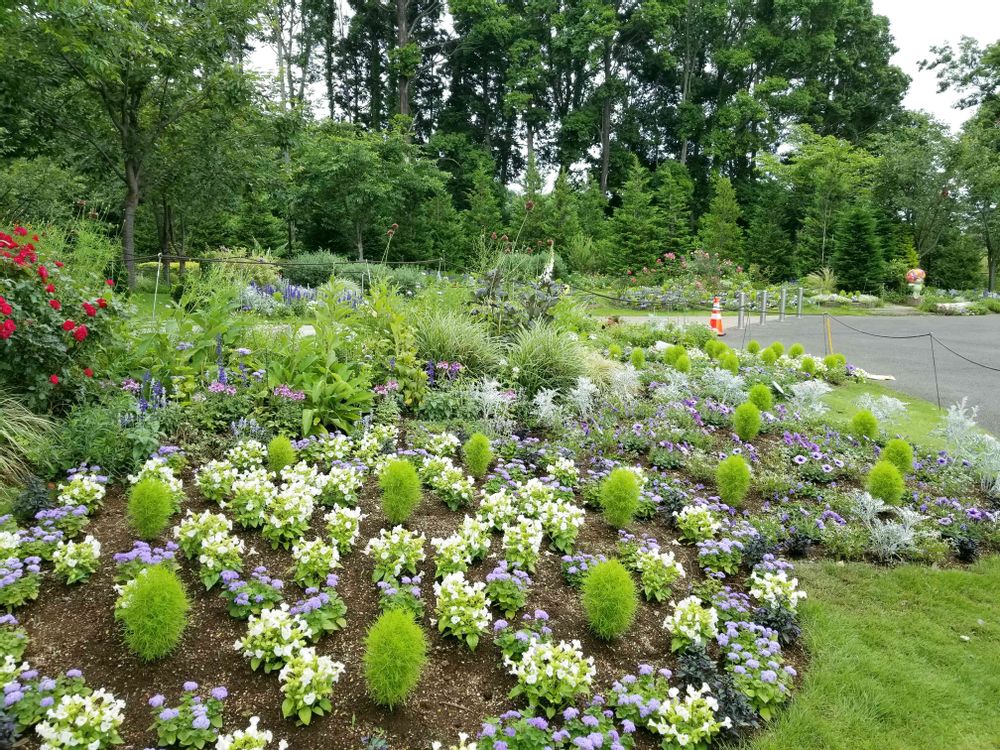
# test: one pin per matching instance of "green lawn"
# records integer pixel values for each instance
(905, 658)
(918, 423)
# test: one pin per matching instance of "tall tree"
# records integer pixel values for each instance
(635, 224)
(858, 258)
(720, 232)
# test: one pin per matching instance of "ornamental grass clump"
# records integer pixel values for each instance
(280, 453)
(401, 493)
(864, 425)
(899, 453)
(478, 455)
(609, 599)
(732, 479)
(153, 609)
(760, 396)
(150, 505)
(395, 655)
(619, 497)
(746, 421)
(885, 483)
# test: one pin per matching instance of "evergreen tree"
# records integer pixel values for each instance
(673, 199)
(560, 220)
(635, 225)
(720, 232)
(483, 215)
(768, 245)
(857, 256)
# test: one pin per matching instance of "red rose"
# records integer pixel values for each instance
(59, 264)
(68, 325)
(54, 379)
(89, 309)
(88, 372)
(109, 282)
(35, 238)
(20, 230)
(50, 288)
(7, 329)
(102, 303)
(80, 333)
(43, 272)
(55, 304)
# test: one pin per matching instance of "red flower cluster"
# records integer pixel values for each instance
(7, 326)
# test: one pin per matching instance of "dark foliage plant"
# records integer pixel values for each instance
(36, 496)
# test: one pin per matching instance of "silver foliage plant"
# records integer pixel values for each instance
(884, 408)
(967, 442)
(888, 539)
(581, 397)
(723, 386)
(624, 386)
(494, 407)
(807, 397)
(549, 414)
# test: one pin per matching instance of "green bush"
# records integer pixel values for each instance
(311, 269)
(672, 353)
(615, 351)
(150, 505)
(715, 348)
(746, 421)
(478, 455)
(836, 368)
(638, 358)
(33, 498)
(280, 453)
(153, 611)
(753, 347)
(729, 361)
(808, 366)
(760, 396)
(401, 492)
(864, 425)
(778, 348)
(768, 356)
(395, 654)
(609, 599)
(796, 350)
(885, 482)
(732, 478)
(619, 497)
(899, 453)
(444, 335)
(542, 356)
(683, 363)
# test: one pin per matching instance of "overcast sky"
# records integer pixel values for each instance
(919, 25)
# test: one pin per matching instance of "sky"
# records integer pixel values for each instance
(918, 25)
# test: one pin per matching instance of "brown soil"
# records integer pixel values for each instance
(75, 627)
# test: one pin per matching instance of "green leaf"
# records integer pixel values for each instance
(305, 714)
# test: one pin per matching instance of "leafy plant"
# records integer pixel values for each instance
(899, 453)
(543, 357)
(864, 425)
(150, 505)
(443, 335)
(34, 497)
(153, 609)
(401, 492)
(619, 497)
(885, 483)
(746, 421)
(610, 599)
(280, 453)
(760, 396)
(478, 455)
(732, 478)
(395, 654)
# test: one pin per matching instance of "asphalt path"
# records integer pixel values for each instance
(909, 360)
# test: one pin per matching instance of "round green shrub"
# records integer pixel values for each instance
(835, 360)
(729, 361)
(619, 497)
(864, 425)
(156, 613)
(280, 453)
(796, 350)
(609, 599)
(885, 482)
(683, 363)
(808, 366)
(395, 654)
(400, 490)
(746, 421)
(768, 356)
(753, 347)
(311, 269)
(672, 353)
(732, 479)
(899, 453)
(478, 455)
(760, 396)
(615, 351)
(778, 348)
(150, 505)
(638, 358)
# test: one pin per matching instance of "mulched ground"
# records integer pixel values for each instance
(75, 627)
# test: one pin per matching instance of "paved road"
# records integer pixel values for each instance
(908, 360)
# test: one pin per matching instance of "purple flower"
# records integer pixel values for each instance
(190, 686)
(74, 673)
(157, 700)
(220, 693)
(201, 722)
(169, 714)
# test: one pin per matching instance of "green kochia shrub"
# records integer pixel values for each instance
(150, 505)
(899, 453)
(808, 366)
(478, 455)
(400, 490)
(796, 350)
(754, 346)
(609, 599)
(395, 654)
(683, 363)
(729, 361)
(619, 496)
(153, 611)
(746, 421)
(732, 478)
(778, 348)
(542, 356)
(768, 356)
(886, 483)
(761, 397)
(638, 358)
(864, 425)
(280, 453)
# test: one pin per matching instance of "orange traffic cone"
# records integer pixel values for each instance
(715, 322)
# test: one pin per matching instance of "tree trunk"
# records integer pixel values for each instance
(991, 262)
(402, 39)
(531, 143)
(128, 227)
(360, 241)
(606, 123)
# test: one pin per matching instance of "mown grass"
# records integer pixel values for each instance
(900, 659)
(919, 423)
